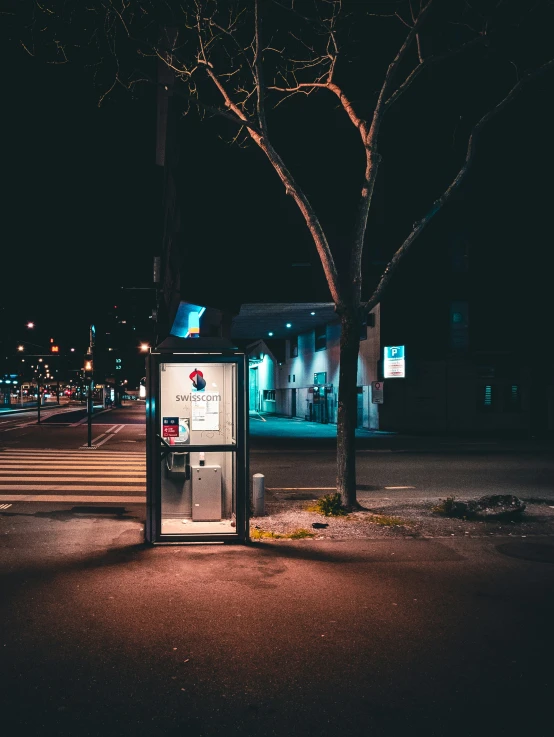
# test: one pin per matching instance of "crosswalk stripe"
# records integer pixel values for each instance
(60, 475)
(73, 487)
(55, 451)
(8, 472)
(93, 457)
(5, 481)
(41, 451)
(74, 499)
(69, 464)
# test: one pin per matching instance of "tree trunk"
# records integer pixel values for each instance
(347, 410)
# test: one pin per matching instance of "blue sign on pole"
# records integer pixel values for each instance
(394, 352)
(394, 364)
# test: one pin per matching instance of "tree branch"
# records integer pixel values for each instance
(291, 187)
(370, 177)
(237, 120)
(345, 102)
(454, 185)
(258, 69)
(427, 63)
(418, 40)
(391, 71)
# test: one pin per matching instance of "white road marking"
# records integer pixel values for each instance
(92, 472)
(109, 435)
(301, 488)
(323, 488)
(75, 499)
(36, 476)
(71, 472)
(16, 452)
(57, 487)
(5, 506)
(53, 465)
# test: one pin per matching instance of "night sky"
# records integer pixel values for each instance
(82, 206)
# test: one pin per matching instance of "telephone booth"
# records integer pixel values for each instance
(197, 430)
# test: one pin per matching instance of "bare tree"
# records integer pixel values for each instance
(240, 59)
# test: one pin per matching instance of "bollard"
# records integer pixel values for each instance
(258, 494)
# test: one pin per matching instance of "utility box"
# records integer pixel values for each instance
(206, 493)
(197, 452)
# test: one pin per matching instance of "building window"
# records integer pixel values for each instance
(321, 338)
(486, 398)
(459, 251)
(294, 346)
(363, 331)
(269, 395)
(486, 372)
(320, 378)
(459, 325)
(512, 398)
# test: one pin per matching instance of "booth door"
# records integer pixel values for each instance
(198, 428)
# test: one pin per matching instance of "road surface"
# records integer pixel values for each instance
(54, 459)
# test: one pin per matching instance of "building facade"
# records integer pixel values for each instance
(294, 371)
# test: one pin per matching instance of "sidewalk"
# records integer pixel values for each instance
(28, 407)
(286, 432)
(67, 412)
(104, 636)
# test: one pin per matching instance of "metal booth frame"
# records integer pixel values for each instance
(188, 352)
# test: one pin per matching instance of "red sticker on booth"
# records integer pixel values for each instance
(170, 427)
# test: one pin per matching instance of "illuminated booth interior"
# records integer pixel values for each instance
(196, 425)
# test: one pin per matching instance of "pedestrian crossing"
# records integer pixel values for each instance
(72, 476)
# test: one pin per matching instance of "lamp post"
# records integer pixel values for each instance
(38, 395)
(88, 383)
(89, 380)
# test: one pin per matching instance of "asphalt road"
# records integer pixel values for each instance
(387, 467)
(414, 475)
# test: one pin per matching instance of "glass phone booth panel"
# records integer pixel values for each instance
(201, 450)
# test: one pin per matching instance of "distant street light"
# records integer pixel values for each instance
(30, 324)
(20, 348)
(144, 347)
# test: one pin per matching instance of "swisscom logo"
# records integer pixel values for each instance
(198, 381)
(198, 390)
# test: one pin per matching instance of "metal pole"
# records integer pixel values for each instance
(89, 419)
(258, 494)
(38, 399)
